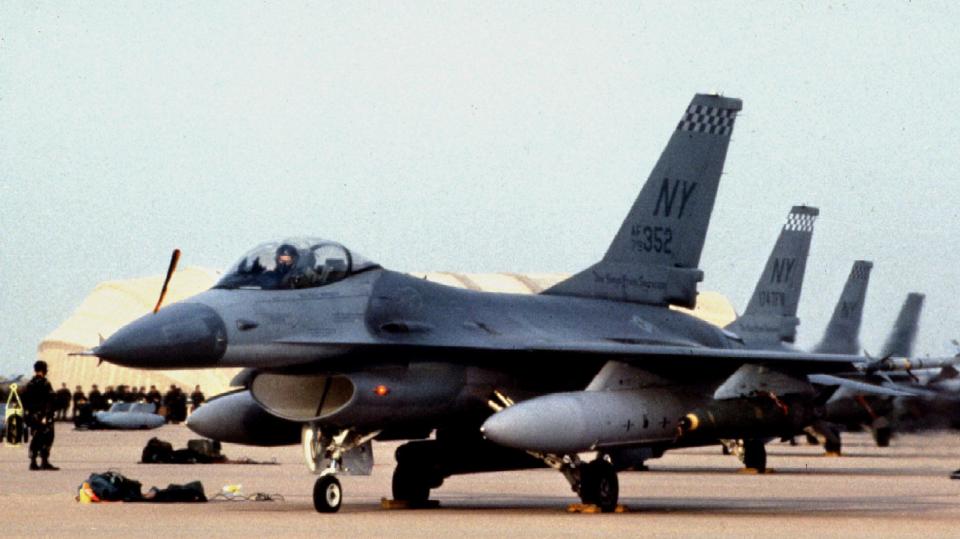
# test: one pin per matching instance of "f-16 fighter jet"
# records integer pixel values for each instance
(352, 352)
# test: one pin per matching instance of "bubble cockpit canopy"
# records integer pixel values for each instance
(294, 263)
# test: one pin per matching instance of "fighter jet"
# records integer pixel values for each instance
(846, 408)
(353, 352)
(841, 336)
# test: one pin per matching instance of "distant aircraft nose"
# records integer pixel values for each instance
(179, 335)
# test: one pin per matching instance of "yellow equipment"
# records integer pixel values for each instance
(15, 427)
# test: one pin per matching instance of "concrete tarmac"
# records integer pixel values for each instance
(900, 491)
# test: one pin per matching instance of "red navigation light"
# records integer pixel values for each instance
(381, 390)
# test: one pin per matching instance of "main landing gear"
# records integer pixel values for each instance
(329, 454)
(594, 482)
(599, 485)
(416, 473)
(752, 452)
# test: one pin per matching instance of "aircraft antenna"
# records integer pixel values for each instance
(174, 258)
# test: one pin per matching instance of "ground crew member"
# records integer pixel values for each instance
(63, 402)
(79, 398)
(196, 398)
(39, 404)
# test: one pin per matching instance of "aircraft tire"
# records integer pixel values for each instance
(754, 454)
(599, 485)
(408, 485)
(327, 494)
(882, 436)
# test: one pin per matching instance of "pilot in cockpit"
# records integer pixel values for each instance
(285, 260)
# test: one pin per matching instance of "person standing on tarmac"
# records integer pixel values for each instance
(196, 399)
(63, 402)
(39, 402)
(78, 398)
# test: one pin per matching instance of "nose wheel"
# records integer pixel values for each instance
(327, 494)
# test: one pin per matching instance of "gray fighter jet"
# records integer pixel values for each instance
(352, 352)
(893, 367)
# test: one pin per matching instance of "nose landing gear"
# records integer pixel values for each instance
(327, 494)
(345, 451)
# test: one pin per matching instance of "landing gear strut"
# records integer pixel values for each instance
(345, 451)
(754, 454)
(881, 431)
(828, 435)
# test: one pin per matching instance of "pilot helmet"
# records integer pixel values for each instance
(286, 250)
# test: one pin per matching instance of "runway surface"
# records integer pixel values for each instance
(900, 491)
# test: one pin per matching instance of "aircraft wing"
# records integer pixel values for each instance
(639, 354)
(862, 387)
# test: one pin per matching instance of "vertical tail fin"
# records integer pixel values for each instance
(653, 258)
(842, 335)
(771, 314)
(900, 341)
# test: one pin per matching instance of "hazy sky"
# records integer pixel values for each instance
(470, 136)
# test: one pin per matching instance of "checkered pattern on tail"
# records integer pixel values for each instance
(801, 222)
(704, 119)
(860, 271)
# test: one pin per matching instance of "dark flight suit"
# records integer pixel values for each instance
(197, 398)
(39, 406)
(78, 399)
(63, 403)
(154, 396)
(97, 401)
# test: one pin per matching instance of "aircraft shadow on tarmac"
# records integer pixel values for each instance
(842, 507)
(794, 470)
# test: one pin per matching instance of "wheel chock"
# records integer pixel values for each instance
(755, 471)
(589, 508)
(831, 453)
(404, 504)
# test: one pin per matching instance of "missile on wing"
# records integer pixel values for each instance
(760, 416)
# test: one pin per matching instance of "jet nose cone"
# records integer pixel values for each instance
(179, 335)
